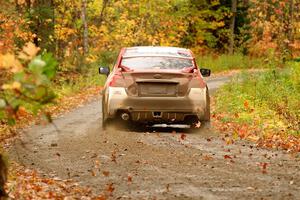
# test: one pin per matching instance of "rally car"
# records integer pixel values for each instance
(154, 85)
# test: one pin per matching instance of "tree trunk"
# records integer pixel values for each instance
(17, 6)
(104, 5)
(28, 4)
(232, 26)
(289, 32)
(85, 27)
(41, 13)
(291, 22)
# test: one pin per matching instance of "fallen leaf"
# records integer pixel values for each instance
(246, 104)
(53, 145)
(228, 141)
(100, 198)
(227, 157)
(94, 155)
(264, 167)
(207, 157)
(253, 138)
(129, 179)
(105, 173)
(114, 157)
(182, 136)
(168, 187)
(97, 164)
(22, 112)
(110, 188)
(93, 173)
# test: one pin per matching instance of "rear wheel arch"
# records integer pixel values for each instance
(207, 107)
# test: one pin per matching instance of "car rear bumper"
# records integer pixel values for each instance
(153, 109)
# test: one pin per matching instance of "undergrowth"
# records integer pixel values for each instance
(269, 100)
(72, 82)
(226, 62)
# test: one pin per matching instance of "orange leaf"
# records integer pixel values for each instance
(93, 173)
(113, 156)
(253, 138)
(227, 157)
(129, 179)
(207, 157)
(105, 173)
(182, 136)
(100, 198)
(246, 104)
(110, 188)
(21, 112)
(264, 167)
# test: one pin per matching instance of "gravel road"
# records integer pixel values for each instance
(156, 163)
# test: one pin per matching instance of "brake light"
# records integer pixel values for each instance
(115, 80)
(199, 81)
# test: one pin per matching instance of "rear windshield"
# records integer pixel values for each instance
(145, 63)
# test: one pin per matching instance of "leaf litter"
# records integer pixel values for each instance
(30, 184)
(252, 132)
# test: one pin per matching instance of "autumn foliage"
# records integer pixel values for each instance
(50, 49)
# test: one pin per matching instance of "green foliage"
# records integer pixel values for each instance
(68, 86)
(227, 62)
(270, 97)
(205, 24)
(40, 15)
(262, 28)
(108, 58)
(30, 88)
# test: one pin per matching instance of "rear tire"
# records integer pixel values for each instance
(106, 122)
(207, 109)
(205, 121)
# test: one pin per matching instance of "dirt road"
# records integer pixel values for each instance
(157, 164)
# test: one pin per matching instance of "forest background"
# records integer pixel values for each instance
(50, 49)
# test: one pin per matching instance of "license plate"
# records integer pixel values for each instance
(156, 89)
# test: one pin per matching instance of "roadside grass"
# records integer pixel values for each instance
(71, 90)
(268, 101)
(226, 62)
(71, 84)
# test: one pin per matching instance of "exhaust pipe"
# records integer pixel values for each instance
(125, 116)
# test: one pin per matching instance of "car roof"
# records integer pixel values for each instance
(157, 51)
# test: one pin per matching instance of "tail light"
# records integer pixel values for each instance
(116, 80)
(199, 80)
